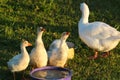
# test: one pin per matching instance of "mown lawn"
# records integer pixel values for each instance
(19, 20)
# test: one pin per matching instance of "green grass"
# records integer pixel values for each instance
(19, 20)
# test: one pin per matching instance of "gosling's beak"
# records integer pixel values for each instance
(43, 29)
(29, 44)
(67, 33)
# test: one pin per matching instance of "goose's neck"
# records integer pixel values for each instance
(23, 50)
(85, 16)
(84, 20)
(39, 38)
(62, 42)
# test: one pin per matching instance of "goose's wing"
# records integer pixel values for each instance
(100, 30)
(54, 44)
(15, 60)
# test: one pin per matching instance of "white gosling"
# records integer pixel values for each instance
(56, 43)
(58, 55)
(20, 62)
(38, 55)
(97, 35)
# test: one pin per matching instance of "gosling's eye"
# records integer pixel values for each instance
(26, 42)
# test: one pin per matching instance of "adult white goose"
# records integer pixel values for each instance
(58, 55)
(97, 35)
(20, 61)
(38, 55)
